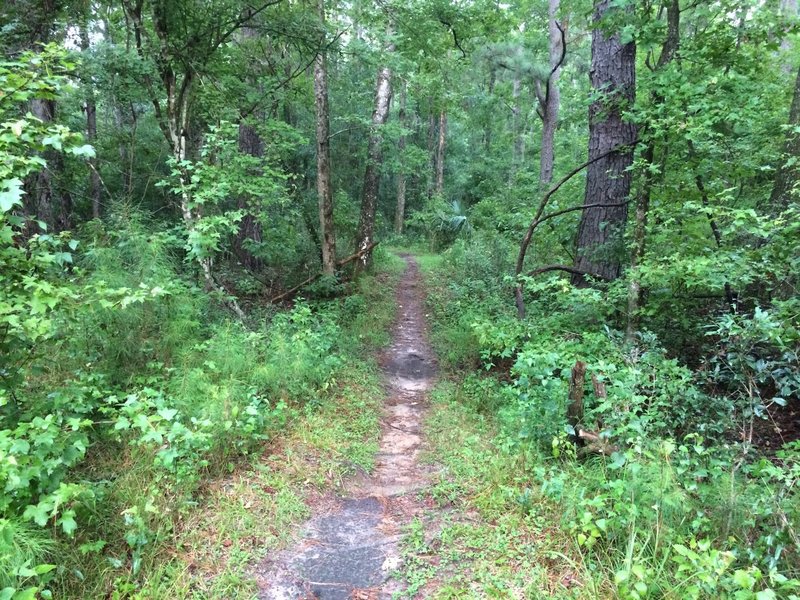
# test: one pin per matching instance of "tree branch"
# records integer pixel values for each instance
(566, 268)
(537, 219)
(291, 292)
(557, 66)
(526, 240)
(455, 36)
(289, 78)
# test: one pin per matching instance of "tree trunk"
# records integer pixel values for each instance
(324, 191)
(439, 189)
(516, 126)
(608, 181)
(91, 119)
(173, 120)
(432, 151)
(250, 143)
(400, 211)
(552, 98)
(787, 177)
(575, 406)
(668, 50)
(369, 200)
(43, 199)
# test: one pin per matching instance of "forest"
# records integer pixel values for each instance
(570, 230)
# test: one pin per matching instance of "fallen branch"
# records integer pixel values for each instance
(566, 268)
(291, 292)
(596, 442)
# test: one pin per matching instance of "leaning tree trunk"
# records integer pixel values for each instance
(608, 180)
(324, 191)
(369, 200)
(400, 211)
(440, 147)
(787, 178)
(550, 99)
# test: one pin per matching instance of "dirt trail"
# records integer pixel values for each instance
(351, 550)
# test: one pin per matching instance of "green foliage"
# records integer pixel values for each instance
(759, 364)
(672, 505)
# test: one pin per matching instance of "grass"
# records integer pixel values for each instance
(492, 534)
(206, 545)
(257, 509)
(536, 518)
(487, 538)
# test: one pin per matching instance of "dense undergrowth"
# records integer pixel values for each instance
(674, 500)
(139, 393)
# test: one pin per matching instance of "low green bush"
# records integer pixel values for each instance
(671, 500)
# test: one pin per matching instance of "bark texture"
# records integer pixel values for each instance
(440, 148)
(608, 181)
(550, 100)
(324, 191)
(90, 108)
(400, 210)
(787, 178)
(369, 198)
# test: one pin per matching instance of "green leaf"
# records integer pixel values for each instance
(38, 513)
(167, 413)
(43, 569)
(68, 523)
(743, 579)
(85, 150)
(52, 140)
(11, 194)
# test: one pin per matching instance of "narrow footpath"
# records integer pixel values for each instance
(351, 550)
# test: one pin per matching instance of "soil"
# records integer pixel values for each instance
(351, 549)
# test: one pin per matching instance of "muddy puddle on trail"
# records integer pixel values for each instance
(350, 550)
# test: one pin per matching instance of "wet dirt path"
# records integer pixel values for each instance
(351, 550)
